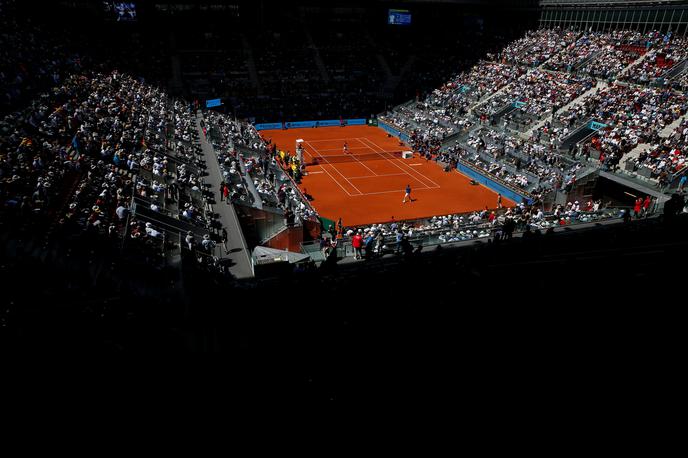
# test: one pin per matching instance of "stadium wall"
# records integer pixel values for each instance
(308, 124)
(493, 185)
(403, 136)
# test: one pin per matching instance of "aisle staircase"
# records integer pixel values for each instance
(667, 131)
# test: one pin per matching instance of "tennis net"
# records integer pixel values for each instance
(339, 158)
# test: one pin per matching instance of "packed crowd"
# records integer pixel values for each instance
(434, 121)
(537, 47)
(601, 54)
(633, 115)
(445, 110)
(681, 83)
(538, 164)
(541, 92)
(576, 53)
(662, 56)
(78, 157)
(533, 175)
(667, 158)
(455, 97)
(626, 115)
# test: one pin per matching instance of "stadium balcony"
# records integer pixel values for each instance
(455, 231)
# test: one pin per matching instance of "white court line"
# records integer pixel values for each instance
(402, 162)
(414, 165)
(415, 171)
(402, 191)
(317, 171)
(320, 151)
(377, 176)
(343, 188)
(393, 162)
(341, 149)
(322, 169)
(331, 140)
(335, 168)
(335, 140)
(361, 162)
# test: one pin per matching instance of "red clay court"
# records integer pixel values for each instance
(368, 187)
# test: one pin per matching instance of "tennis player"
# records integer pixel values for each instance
(408, 194)
(346, 148)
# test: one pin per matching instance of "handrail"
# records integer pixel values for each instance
(676, 175)
(275, 232)
(577, 129)
(173, 224)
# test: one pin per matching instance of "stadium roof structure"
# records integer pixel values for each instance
(608, 2)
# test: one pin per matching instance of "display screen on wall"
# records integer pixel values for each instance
(399, 17)
(120, 11)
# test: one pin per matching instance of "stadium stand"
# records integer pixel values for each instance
(118, 187)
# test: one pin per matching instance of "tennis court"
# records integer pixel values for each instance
(366, 185)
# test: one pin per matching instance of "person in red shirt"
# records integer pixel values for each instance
(646, 205)
(638, 205)
(357, 243)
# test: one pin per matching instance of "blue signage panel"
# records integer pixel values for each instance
(309, 124)
(268, 126)
(496, 187)
(594, 125)
(327, 123)
(403, 136)
(213, 103)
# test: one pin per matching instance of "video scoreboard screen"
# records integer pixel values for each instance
(399, 17)
(120, 11)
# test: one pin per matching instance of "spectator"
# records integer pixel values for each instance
(357, 244)
(190, 240)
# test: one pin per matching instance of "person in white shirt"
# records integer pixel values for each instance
(151, 231)
(189, 240)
